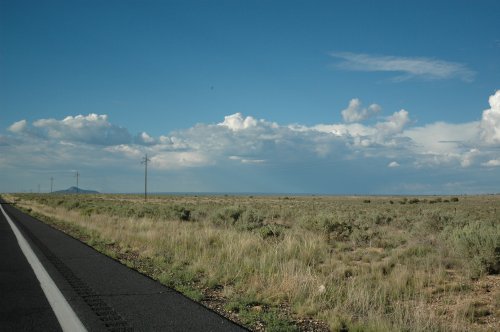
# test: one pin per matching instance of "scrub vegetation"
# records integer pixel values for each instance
(305, 263)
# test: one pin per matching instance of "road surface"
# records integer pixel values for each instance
(104, 294)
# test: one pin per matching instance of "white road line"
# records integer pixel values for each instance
(67, 318)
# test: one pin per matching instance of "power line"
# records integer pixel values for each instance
(145, 161)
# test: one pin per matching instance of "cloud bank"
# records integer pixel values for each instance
(91, 129)
(239, 143)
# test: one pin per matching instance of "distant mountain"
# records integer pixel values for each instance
(75, 190)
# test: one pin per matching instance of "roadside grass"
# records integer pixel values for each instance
(308, 263)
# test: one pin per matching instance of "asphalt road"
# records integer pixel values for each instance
(104, 294)
(23, 305)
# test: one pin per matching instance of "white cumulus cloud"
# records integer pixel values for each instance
(394, 124)
(393, 164)
(490, 122)
(469, 157)
(442, 137)
(492, 163)
(355, 113)
(386, 133)
(144, 139)
(91, 129)
(127, 150)
(177, 160)
(238, 122)
(18, 126)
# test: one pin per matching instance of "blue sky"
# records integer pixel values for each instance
(339, 97)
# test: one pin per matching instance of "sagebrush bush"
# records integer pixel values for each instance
(226, 215)
(250, 219)
(479, 242)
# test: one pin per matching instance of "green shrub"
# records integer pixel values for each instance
(181, 213)
(435, 221)
(87, 212)
(436, 200)
(227, 215)
(381, 219)
(364, 236)
(250, 219)
(73, 205)
(325, 223)
(277, 322)
(480, 243)
(271, 231)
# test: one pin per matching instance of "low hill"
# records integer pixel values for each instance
(75, 190)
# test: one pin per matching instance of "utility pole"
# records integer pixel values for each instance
(145, 161)
(51, 183)
(38, 188)
(77, 176)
